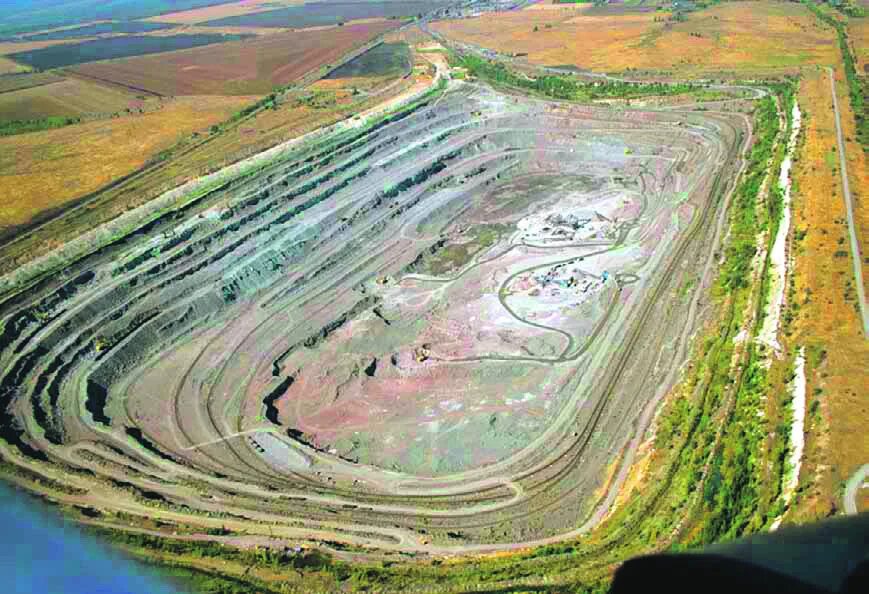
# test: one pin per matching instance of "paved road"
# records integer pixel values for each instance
(849, 205)
(854, 484)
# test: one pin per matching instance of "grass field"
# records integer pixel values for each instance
(113, 47)
(251, 67)
(67, 98)
(45, 170)
(743, 36)
(26, 80)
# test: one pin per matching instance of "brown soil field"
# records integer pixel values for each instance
(67, 98)
(44, 170)
(211, 13)
(826, 319)
(249, 67)
(744, 36)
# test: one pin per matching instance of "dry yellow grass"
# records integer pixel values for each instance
(206, 30)
(743, 36)
(827, 323)
(550, 5)
(45, 170)
(67, 98)
(858, 173)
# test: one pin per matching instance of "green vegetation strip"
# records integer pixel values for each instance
(13, 127)
(564, 87)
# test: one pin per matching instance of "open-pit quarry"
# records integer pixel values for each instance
(445, 331)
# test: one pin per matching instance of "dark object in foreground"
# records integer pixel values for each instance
(831, 556)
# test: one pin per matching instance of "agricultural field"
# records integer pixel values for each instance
(726, 38)
(98, 29)
(26, 16)
(250, 67)
(44, 171)
(221, 11)
(58, 56)
(318, 14)
(15, 47)
(64, 98)
(26, 80)
(225, 142)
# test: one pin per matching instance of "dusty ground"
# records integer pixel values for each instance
(738, 37)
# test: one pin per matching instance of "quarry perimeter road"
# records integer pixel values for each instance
(849, 207)
(854, 484)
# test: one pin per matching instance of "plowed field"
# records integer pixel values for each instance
(248, 67)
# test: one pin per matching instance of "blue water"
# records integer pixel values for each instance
(40, 553)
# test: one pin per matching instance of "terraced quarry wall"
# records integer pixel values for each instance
(432, 334)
